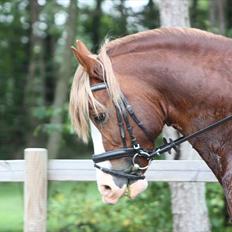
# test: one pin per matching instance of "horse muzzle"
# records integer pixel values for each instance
(112, 187)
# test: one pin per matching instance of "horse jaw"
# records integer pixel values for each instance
(107, 184)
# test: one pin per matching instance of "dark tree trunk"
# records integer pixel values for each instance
(193, 13)
(96, 26)
(65, 73)
(49, 57)
(33, 83)
(228, 13)
(221, 16)
(123, 17)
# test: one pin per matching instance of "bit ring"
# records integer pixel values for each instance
(141, 154)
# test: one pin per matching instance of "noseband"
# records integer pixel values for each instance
(135, 152)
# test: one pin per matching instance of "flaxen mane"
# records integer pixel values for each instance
(81, 96)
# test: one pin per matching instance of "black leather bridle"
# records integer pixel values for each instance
(135, 152)
(123, 112)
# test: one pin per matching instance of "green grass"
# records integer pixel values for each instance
(11, 207)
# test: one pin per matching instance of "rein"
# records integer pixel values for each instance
(135, 171)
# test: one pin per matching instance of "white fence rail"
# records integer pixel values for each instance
(35, 170)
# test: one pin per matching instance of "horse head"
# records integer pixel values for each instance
(120, 112)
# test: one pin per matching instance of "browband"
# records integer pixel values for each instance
(98, 86)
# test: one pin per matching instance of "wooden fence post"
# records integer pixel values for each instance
(35, 190)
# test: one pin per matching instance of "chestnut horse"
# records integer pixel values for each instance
(179, 77)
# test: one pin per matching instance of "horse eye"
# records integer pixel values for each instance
(100, 118)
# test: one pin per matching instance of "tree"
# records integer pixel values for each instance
(13, 65)
(96, 25)
(149, 16)
(33, 88)
(228, 14)
(217, 15)
(64, 74)
(188, 199)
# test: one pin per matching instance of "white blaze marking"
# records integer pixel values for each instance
(104, 179)
(98, 144)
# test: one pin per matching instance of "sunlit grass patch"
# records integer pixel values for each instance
(11, 207)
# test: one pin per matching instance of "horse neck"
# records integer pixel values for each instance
(181, 77)
(194, 84)
(193, 88)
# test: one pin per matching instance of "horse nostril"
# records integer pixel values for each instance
(106, 187)
(106, 190)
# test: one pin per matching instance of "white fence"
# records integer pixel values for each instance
(35, 171)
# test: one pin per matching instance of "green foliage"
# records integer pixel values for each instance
(78, 207)
(217, 209)
(149, 16)
(13, 50)
(82, 209)
(199, 14)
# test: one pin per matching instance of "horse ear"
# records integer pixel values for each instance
(84, 56)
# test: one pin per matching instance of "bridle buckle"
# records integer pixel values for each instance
(141, 153)
(136, 146)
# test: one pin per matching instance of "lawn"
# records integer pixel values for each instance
(11, 207)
